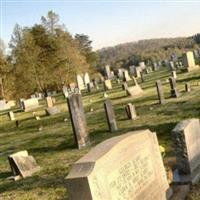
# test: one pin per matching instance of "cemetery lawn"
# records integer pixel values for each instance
(53, 146)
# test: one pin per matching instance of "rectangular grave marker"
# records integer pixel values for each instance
(110, 115)
(78, 120)
(160, 92)
(126, 167)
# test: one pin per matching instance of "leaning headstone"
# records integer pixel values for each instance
(80, 82)
(189, 62)
(174, 91)
(78, 120)
(160, 92)
(126, 167)
(134, 91)
(130, 110)
(110, 115)
(30, 104)
(22, 164)
(107, 84)
(186, 137)
(49, 101)
(11, 115)
(187, 87)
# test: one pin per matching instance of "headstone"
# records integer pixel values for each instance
(107, 71)
(160, 92)
(11, 115)
(49, 102)
(30, 104)
(134, 91)
(4, 105)
(137, 72)
(22, 164)
(142, 65)
(110, 115)
(174, 74)
(189, 62)
(107, 84)
(126, 76)
(130, 110)
(187, 87)
(78, 120)
(120, 72)
(80, 82)
(171, 65)
(86, 78)
(126, 167)
(142, 76)
(186, 136)
(155, 66)
(21, 103)
(174, 91)
(11, 103)
(124, 85)
(132, 70)
(53, 110)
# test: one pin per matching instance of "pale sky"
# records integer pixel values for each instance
(109, 22)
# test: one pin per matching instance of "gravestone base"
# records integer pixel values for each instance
(182, 179)
(175, 93)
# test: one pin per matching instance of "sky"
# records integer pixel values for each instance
(107, 22)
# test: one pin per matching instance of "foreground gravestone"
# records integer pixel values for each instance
(78, 120)
(160, 92)
(110, 115)
(22, 164)
(130, 110)
(11, 115)
(126, 167)
(189, 62)
(174, 91)
(30, 104)
(186, 137)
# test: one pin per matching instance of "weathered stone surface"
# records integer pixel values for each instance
(53, 110)
(110, 115)
(30, 104)
(134, 91)
(78, 120)
(4, 105)
(107, 84)
(80, 82)
(160, 92)
(11, 115)
(86, 78)
(22, 164)
(126, 167)
(131, 112)
(187, 87)
(189, 62)
(186, 137)
(126, 76)
(174, 75)
(174, 91)
(49, 101)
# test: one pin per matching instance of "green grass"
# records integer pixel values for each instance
(54, 149)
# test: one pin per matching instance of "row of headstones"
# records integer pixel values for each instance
(131, 166)
(174, 91)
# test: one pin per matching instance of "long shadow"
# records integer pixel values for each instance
(189, 79)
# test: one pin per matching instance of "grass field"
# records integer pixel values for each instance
(53, 147)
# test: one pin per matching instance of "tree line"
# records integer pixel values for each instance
(43, 57)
